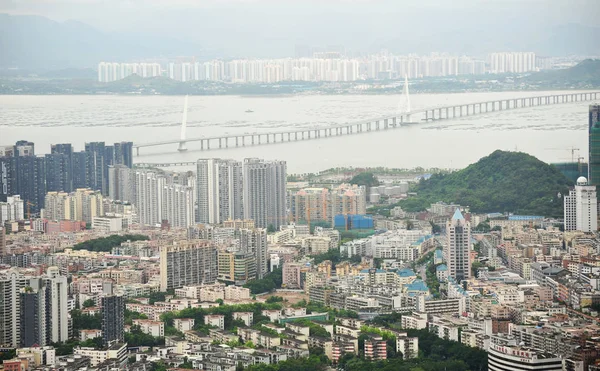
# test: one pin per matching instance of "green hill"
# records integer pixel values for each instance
(503, 182)
(586, 72)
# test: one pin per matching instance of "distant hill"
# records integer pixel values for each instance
(503, 182)
(586, 72)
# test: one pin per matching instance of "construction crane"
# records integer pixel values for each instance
(572, 149)
(29, 204)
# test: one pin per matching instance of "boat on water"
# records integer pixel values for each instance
(249, 111)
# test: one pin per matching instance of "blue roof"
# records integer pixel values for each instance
(417, 285)
(458, 215)
(377, 271)
(421, 240)
(406, 272)
(441, 268)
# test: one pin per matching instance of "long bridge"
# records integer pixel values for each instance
(382, 123)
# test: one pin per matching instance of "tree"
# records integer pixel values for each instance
(89, 303)
(274, 299)
(105, 244)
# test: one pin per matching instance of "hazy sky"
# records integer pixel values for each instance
(241, 26)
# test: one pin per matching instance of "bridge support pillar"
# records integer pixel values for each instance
(220, 144)
(208, 144)
(137, 151)
(237, 142)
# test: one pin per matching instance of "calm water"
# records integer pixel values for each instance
(545, 132)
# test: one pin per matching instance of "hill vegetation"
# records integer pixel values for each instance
(105, 244)
(586, 74)
(501, 182)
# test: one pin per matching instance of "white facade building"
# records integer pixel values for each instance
(581, 208)
(219, 190)
(12, 209)
(458, 246)
(265, 192)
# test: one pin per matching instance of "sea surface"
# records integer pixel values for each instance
(548, 133)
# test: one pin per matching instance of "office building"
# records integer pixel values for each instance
(594, 145)
(121, 183)
(95, 163)
(264, 192)
(59, 172)
(30, 175)
(123, 154)
(219, 190)
(187, 263)
(12, 209)
(113, 316)
(458, 246)
(514, 358)
(80, 173)
(581, 207)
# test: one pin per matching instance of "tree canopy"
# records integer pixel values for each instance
(501, 182)
(105, 244)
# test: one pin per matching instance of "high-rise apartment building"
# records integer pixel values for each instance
(219, 190)
(178, 205)
(148, 186)
(187, 263)
(3, 247)
(32, 316)
(113, 316)
(254, 241)
(594, 145)
(13, 209)
(264, 192)
(581, 208)
(57, 310)
(33, 310)
(11, 283)
(458, 246)
(121, 183)
(322, 204)
(58, 206)
(88, 204)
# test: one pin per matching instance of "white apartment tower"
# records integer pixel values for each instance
(265, 192)
(581, 208)
(458, 246)
(219, 190)
(178, 205)
(148, 185)
(12, 209)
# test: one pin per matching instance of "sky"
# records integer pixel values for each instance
(274, 27)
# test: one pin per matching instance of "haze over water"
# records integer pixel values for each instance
(545, 132)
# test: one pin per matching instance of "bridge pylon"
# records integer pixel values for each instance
(404, 104)
(182, 145)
